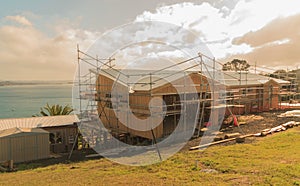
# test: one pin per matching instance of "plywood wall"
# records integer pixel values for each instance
(110, 110)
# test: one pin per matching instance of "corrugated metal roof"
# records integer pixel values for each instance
(38, 122)
(17, 131)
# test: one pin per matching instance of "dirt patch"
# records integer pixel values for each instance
(260, 122)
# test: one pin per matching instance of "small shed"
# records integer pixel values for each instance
(63, 129)
(24, 144)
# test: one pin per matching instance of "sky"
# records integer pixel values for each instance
(38, 39)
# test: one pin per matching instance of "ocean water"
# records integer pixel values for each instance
(26, 100)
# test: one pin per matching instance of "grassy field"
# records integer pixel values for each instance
(273, 160)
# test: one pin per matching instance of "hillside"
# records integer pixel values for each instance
(267, 161)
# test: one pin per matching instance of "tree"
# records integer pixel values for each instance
(281, 71)
(236, 65)
(55, 110)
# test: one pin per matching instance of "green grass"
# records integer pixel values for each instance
(273, 160)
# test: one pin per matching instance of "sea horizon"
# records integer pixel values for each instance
(25, 100)
(33, 82)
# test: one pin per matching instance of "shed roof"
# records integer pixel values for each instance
(21, 131)
(38, 122)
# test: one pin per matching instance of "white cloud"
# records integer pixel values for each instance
(28, 53)
(253, 15)
(26, 50)
(171, 54)
(19, 19)
(274, 43)
(218, 27)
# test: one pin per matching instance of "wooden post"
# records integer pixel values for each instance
(11, 165)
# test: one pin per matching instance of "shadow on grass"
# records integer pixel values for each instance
(77, 156)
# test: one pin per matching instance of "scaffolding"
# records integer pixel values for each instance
(111, 94)
(289, 92)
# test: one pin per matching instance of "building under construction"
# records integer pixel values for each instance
(137, 105)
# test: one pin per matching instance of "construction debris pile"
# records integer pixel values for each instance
(241, 138)
(279, 128)
(292, 113)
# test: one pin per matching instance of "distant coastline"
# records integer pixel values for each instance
(24, 99)
(14, 83)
